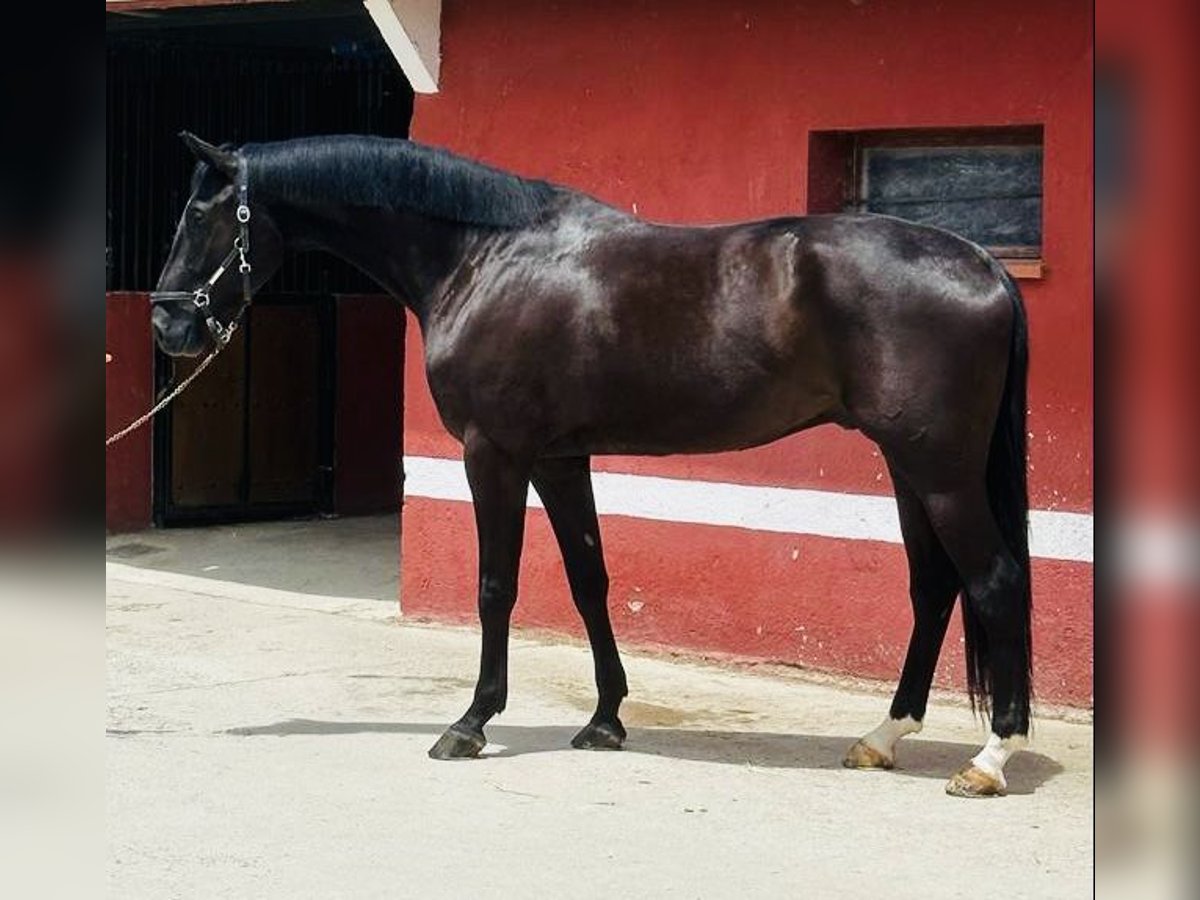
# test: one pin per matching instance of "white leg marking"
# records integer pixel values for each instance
(889, 731)
(996, 752)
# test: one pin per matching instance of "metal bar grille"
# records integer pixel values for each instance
(157, 87)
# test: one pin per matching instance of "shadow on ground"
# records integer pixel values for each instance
(354, 556)
(924, 759)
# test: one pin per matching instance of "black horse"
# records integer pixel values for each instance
(557, 327)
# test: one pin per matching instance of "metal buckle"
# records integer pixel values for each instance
(243, 213)
(200, 299)
(223, 333)
(244, 265)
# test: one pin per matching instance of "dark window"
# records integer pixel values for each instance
(984, 184)
(992, 195)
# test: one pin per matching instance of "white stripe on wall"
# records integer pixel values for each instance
(865, 517)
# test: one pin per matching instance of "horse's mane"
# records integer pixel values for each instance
(381, 172)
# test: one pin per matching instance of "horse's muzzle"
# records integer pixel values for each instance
(178, 333)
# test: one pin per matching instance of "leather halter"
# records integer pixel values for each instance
(240, 251)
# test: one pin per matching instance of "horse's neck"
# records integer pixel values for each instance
(409, 255)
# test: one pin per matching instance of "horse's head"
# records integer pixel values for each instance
(200, 291)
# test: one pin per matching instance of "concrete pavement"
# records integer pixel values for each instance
(267, 737)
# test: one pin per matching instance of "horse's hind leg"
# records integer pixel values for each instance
(933, 584)
(996, 613)
(565, 486)
(499, 484)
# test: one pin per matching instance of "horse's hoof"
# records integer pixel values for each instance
(971, 781)
(863, 756)
(458, 743)
(600, 736)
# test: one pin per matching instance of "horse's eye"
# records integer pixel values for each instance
(196, 214)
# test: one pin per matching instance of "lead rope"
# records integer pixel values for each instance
(157, 407)
(178, 389)
(222, 334)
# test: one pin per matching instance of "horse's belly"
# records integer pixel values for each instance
(658, 422)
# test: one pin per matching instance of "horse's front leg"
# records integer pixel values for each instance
(565, 486)
(499, 484)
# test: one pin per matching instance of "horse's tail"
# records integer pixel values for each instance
(1008, 493)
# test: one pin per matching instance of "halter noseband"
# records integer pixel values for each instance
(240, 251)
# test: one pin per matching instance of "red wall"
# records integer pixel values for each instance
(370, 415)
(128, 392)
(703, 116)
(701, 112)
(34, 417)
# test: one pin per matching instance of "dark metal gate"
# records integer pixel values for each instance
(254, 437)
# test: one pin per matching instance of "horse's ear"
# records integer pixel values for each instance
(222, 159)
